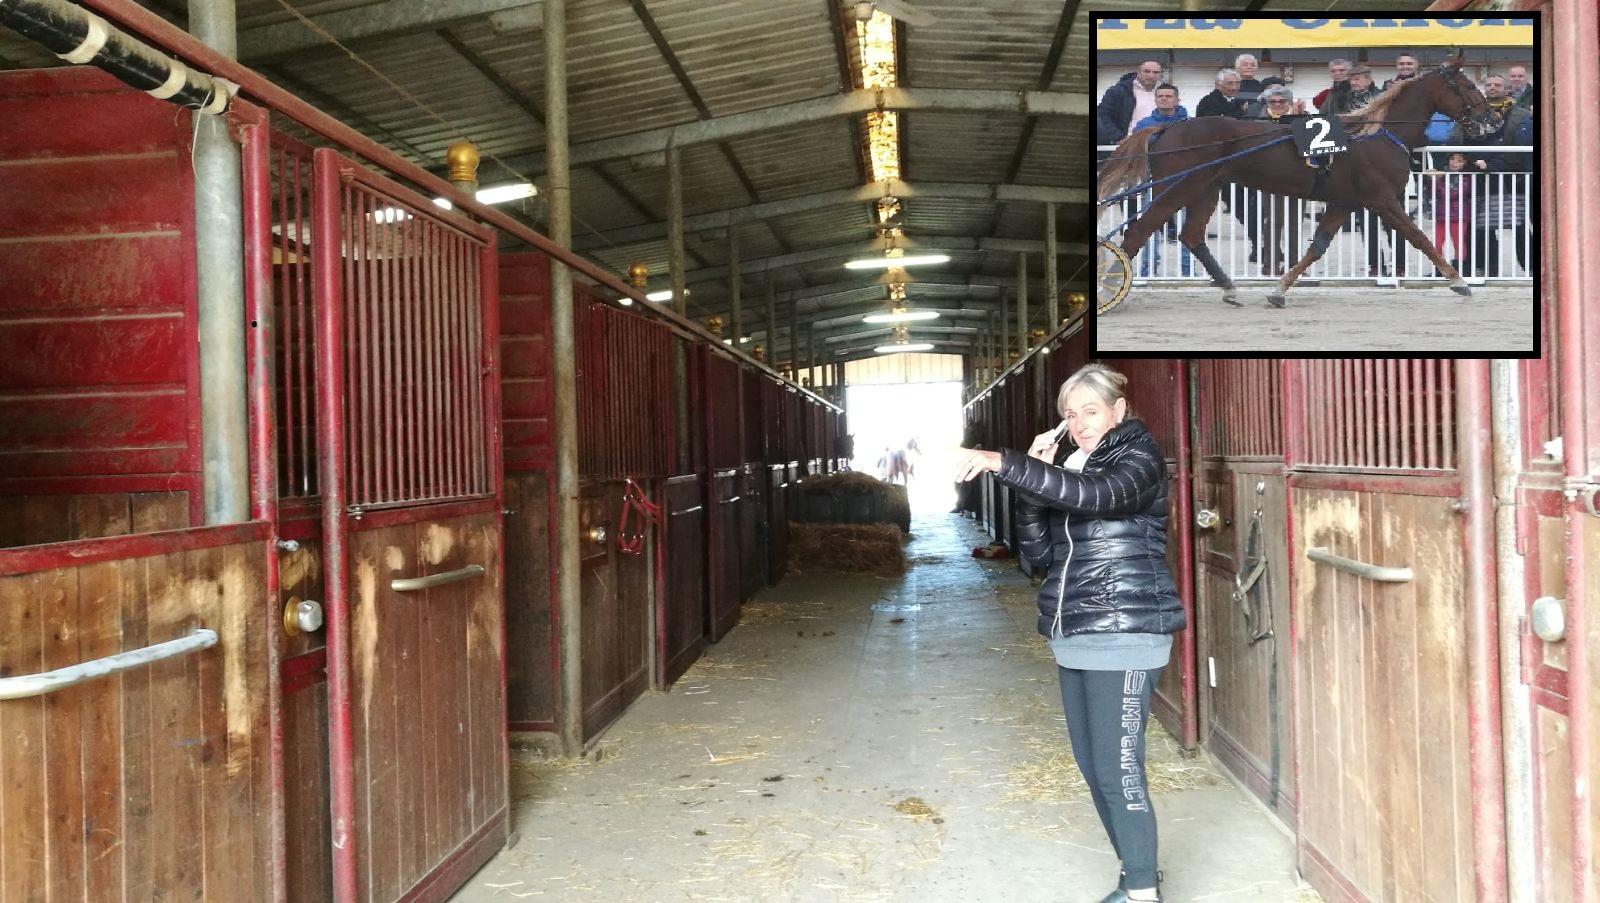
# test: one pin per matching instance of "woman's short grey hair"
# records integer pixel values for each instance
(1222, 74)
(1109, 385)
(1277, 91)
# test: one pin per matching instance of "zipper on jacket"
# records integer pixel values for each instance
(1061, 585)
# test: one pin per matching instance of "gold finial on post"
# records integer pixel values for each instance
(463, 159)
(1076, 302)
(714, 323)
(759, 352)
(1036, 336)
(638, 273)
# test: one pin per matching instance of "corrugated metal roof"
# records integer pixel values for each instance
(739, 56)
(998, 44)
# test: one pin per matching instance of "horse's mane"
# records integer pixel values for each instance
(1370, 116)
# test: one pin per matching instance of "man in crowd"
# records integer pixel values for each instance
(1224, 99)
(1131, 99)
(1405, 66)
(1167, 111)
(1249, 87)
(1340, 71)
(1519, 88)
(1356, 90)
(1504, 201)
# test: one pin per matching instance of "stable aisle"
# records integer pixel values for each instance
(860, 738)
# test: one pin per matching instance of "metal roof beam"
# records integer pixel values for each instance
(733, 216)
(737, 125)
(266, 42)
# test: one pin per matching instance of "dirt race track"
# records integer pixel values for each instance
(1358, 318)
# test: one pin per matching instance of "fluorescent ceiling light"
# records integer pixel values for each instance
(901, 316)
(910, 346)
(664, 295)
(889, 263)
(500, 194)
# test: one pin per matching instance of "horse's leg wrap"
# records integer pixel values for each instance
(1319, 245)
(1202, 252)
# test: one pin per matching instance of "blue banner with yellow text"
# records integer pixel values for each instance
(1280, 34)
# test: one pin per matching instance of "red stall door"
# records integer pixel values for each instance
(411, 472)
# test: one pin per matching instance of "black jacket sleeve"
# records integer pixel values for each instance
(1114, 114)
(1033, 530)
(1124, 488)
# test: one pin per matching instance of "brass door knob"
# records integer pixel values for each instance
(1207, 519)
(596, 534)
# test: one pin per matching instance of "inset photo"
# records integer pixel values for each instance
(1312, 186)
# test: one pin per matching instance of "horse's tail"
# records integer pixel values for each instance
(1128, 165)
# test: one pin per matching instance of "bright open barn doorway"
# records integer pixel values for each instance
(920, 420)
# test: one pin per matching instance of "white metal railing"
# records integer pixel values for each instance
(1482, 224)
(27, 685)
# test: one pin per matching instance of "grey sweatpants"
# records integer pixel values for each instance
(1106, 716)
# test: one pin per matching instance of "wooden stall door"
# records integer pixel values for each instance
(1381, 669)
(1242, 583)
(753, 531)
(721, 413)
(723, 560)
(615, 593)
(413, 531)
(682, 611)
(103, 779)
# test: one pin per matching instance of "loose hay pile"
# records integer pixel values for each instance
(852, 497)
(845, 481)
(859, 548)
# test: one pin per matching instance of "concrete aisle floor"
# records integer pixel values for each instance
(857, 738)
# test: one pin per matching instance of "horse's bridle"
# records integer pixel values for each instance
(1452, 79)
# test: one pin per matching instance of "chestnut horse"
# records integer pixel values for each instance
(1371, 174)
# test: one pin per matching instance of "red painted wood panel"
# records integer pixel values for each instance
(145, 348)
(78, 274)
(140, 193)
(92, 422)
(96, 299)
(525, 355)
(81, 112)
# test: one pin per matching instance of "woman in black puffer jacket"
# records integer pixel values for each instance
(1093, 513)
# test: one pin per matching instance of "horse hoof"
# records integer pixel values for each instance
(1232, 297)
(1275, 300)
(1464, 291)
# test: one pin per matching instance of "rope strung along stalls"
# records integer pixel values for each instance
(81, 37)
